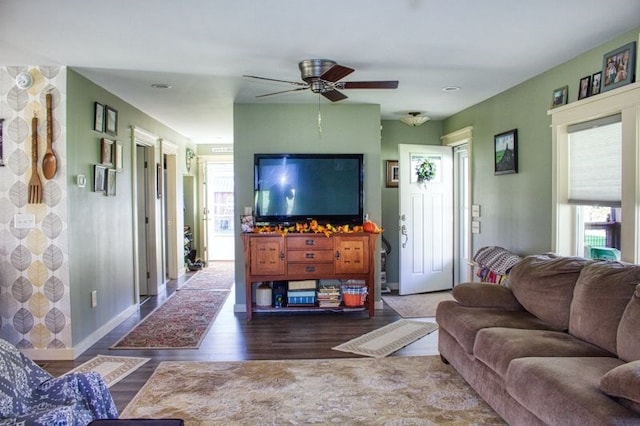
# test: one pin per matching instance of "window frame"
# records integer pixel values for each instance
(624, 101)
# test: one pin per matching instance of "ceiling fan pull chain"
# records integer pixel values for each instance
(319, 117)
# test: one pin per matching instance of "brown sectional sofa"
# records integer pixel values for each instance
(559, 346)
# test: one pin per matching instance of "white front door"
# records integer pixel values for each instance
(426, 221)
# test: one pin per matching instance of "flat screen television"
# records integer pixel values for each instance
(297, 188)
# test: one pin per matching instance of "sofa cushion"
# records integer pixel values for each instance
(484, 295)
(566, 391)
(544, 284)
(463, 322)
(628, 338)
(623, 382)
(602, 293)
(497, 347)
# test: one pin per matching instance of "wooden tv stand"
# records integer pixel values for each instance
(273, 257)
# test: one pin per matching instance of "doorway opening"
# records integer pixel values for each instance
(219, 211)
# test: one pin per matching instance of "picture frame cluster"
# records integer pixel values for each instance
(618, 69)
(110, 162)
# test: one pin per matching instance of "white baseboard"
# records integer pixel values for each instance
(80, 348)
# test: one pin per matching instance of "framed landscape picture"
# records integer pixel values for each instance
(111, 121)
(506, 152)
(560, 96)
(98, 117)
(393, 174)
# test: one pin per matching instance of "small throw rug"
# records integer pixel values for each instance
(417, 305)
(216, 276)
(181, 322)
(111, 368)
(388, 339)
(350, 391)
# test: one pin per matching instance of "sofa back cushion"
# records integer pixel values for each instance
(602, 293)
(628, 339)
(543, 284)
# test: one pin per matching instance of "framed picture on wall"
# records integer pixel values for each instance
(506, 152)
(98, 117)
(111, 121)
(596, 83)
(117, 161)
(619, 66)
(393, 174)
(111, 182)
(106, 152)
(584, 87)
(99, 177)
(560, 96)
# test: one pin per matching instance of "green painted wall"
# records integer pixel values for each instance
(516, 209)
(395, 133)
(294, 129)
(101, 228)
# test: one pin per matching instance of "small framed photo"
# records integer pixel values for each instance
(111, 182)
(118, 157)
(393, 174)
(559, 96)
(106, 152)
(596, 83)
(111, 121)
(584, 88)
(619, 66)
(98, 117)
(99, 177)
(506, 152)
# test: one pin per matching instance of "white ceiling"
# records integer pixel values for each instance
(203, 47)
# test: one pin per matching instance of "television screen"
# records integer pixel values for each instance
(295, 188)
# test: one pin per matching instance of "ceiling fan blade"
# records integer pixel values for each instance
(336, 73)
(295, 83)
(334, 95)
(283, 91)
(391, 84)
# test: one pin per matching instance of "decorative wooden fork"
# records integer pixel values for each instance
(35, 186)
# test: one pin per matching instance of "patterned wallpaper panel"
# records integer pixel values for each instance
(34, 271)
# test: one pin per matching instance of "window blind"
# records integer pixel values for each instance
(595, 162)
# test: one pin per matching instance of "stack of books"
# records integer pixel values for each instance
(301, 293)
(328, 296)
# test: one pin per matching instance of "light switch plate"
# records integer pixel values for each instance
(475, 227)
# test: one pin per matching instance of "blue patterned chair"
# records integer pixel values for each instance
(31, 396)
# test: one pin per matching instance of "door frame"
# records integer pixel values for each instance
(454, 139)
(173, 223)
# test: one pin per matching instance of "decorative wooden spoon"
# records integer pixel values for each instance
(49, 161)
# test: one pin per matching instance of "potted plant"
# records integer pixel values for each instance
(426, 171)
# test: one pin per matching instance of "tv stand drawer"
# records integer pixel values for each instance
(309, 242)
(320, 270)
(310, 256)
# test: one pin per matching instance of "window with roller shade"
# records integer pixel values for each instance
(595, 185)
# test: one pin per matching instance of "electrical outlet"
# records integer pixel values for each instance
(94, 299)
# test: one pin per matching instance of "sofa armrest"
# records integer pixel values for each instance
(623, 382)
(482, 295)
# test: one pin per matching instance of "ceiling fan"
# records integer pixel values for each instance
(322, 76)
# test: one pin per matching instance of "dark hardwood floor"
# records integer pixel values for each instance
(232, 338)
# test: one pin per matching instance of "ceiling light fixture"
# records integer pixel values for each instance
(451, 88)
(161, 86)
(414, 119)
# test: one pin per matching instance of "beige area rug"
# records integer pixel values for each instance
(417, 305)
(388, 339)
(111, 368)
(351, 391)
(216, 276)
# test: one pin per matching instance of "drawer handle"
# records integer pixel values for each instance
(310, 255)
(310, 269)
(310, 242)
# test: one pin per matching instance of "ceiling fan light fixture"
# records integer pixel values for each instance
(414, 119)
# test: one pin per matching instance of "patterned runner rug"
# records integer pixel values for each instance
(417, 305)
(181, 322)
(364, 391)
(111, 368)
(216, 276)
(388, 339)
